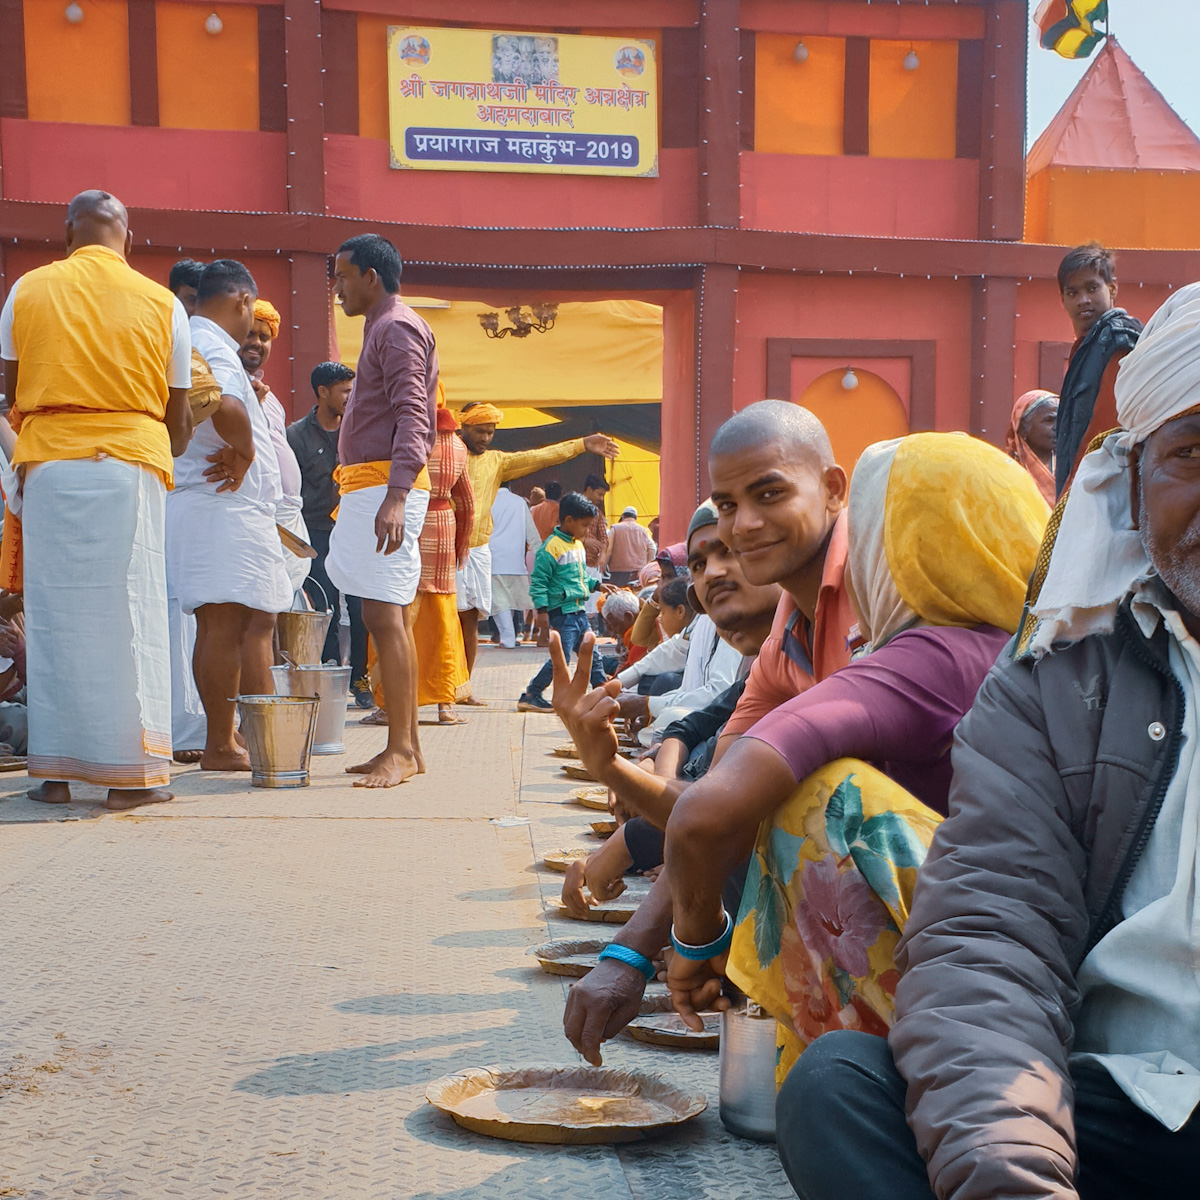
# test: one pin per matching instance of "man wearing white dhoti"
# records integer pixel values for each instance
(254, 352)
(224, 558)
(97, 367)
(384, 443)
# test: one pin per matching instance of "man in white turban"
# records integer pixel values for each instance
(1046, 1041)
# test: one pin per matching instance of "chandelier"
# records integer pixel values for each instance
(539, 319)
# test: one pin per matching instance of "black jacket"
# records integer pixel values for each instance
(1115, 332)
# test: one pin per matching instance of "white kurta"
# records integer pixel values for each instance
(223, 547)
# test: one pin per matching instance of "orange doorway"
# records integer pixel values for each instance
(855, 417)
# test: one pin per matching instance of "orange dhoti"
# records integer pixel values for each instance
(441, 657)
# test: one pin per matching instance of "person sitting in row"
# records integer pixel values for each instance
(1045, 1041)
(1030, 438)
(743, 613)
(663, 615)
(619, 611)
(835, 795)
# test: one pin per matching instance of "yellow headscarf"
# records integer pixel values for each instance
(481, 414)
(944, 530)
(264, 310)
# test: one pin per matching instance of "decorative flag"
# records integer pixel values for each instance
(1068, 27)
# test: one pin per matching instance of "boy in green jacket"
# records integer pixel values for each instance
(559, 588)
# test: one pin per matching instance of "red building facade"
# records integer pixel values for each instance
(814, 209)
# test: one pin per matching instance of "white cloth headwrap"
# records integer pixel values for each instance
(883, 611)
(1098, 555)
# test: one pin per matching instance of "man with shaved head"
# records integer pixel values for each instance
(97, 363)
(781, 499)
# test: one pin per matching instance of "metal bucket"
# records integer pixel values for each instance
(331, 686)
(300, 632)
(747, 1086)
(279, 737)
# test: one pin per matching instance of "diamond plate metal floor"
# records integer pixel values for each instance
(245, 992)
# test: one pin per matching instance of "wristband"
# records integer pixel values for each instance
(631, 958)
(704, 953)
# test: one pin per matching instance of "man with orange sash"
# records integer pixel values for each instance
(385, 441)
(97, 364)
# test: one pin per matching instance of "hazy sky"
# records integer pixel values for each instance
(1156, 34)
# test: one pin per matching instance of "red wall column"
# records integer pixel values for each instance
(720, 112)
(312, 340)
(993, 356)
(678, 482)
(716, 327)
(306, 190)
(1002, 148)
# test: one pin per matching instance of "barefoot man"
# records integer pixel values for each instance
(385, 441)
(97, 363)
(488, 469)
(224, 557)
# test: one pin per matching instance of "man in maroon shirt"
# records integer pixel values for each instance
(385, 440)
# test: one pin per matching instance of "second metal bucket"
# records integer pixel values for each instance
(300, 632)
(747, 1086)
(279, 737)
(331, 686)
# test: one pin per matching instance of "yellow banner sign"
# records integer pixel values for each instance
(559, 104)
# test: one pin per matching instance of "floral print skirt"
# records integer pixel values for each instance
(826, 900)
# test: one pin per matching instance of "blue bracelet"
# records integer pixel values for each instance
(631, 958)
(703, 953)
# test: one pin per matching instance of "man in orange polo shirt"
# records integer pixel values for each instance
(781, 503)
(97, 363)
(780, 500)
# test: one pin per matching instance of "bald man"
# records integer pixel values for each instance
(97, 363)
(254, 352)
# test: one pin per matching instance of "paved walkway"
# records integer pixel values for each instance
(245, 992)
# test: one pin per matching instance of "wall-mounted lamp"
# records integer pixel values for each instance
(213, 24)
(911, 61)
(849, 380)
(74, 13)
(800, 54)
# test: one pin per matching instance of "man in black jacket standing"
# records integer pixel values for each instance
(314, 440)
(1104, 334)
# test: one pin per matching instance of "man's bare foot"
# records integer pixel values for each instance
(387, 771)
(420, 759)
(365, 768)
(123, 799)
(446, 715)
(378, 717)
(53, 791)
(225, 760)
(187, 757)
(471, 702)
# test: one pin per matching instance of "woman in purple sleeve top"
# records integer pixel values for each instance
(840, 789)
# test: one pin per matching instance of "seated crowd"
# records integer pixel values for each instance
(937, 817)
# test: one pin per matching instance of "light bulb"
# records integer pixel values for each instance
(911, 61)
(849, 380)
(74, 13)
(214, 24)
(800, 54)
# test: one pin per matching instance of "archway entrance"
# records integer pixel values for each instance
(857, 417)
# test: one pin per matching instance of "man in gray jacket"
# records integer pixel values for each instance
(1047, 1035)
